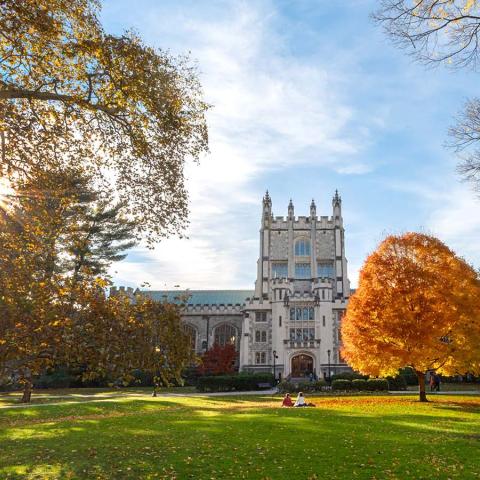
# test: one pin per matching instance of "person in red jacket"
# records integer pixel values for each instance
(287, 401)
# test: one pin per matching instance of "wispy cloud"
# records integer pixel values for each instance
(307, 97)
(271, 111)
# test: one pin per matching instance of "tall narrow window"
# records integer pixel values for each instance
(192, 333)
(279, 270)
(325, 269)
(302, 247)
(280, 321)
(302, 270)
(323, 320)
(260, 358)
(225, 334)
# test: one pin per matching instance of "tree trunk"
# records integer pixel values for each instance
(27, 391)
(421, 386)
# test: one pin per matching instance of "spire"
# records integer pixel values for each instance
(267, 209)
(337, 205)
(337, 199)
(313, 209)
(291, 213)
(267, 201)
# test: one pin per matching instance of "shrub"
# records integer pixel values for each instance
(410, 376)
(359, 384)
(227, 383)
(59, 378)
(319, 385)
(218, 360)
(397, 383)
(349, 376)
(341, 384)
(289, 387)
(377, 384)
(141, 379)
(286, 387)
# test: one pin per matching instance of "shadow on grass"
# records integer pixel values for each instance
(220, 437)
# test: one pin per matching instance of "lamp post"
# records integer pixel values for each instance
(275, 356)
(329, 371)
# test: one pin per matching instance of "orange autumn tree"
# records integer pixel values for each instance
(417, 305)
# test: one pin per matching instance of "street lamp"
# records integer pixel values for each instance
(275, 356)
(329, 371)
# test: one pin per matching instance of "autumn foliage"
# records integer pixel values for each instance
(417, 305)
(218, 360)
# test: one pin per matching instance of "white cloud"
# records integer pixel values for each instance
(456, 220)
(452, 212)
(270, 111)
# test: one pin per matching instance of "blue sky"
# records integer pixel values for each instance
(308, 96)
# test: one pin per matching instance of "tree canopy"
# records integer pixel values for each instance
(417, 305)
(71, 92)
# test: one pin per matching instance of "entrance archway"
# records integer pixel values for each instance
(302, 365)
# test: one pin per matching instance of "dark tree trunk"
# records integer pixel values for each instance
(27, 391)
(421, 386)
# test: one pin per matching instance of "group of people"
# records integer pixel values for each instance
(299, 402)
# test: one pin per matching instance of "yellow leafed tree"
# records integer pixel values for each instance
(417, 305)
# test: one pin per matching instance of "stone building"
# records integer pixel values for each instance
(291, 321)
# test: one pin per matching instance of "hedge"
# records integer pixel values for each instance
(370, 385)
(349, 376)
(359, 384)
(289, 387)
(397, 383)
(341, 384)
(377, 384)
(410, 376)
(240, 382)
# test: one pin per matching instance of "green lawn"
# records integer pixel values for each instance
(86, 394)
(138, 437)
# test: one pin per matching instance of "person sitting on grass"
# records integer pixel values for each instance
(302, 402)
(287, 401)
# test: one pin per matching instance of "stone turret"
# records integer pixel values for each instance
(313, 209)
(337, 205)
(291, 211)
(267, 208)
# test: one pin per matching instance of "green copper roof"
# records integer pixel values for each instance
(201, 297)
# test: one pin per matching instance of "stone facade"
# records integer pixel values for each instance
(301, 294)
(292, 318)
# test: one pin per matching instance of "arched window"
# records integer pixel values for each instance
(192, 333)
(226, 333)
(302, 247)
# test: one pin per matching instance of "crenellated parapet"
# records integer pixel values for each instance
(221, 309)
(302, 222)
(122, 291)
